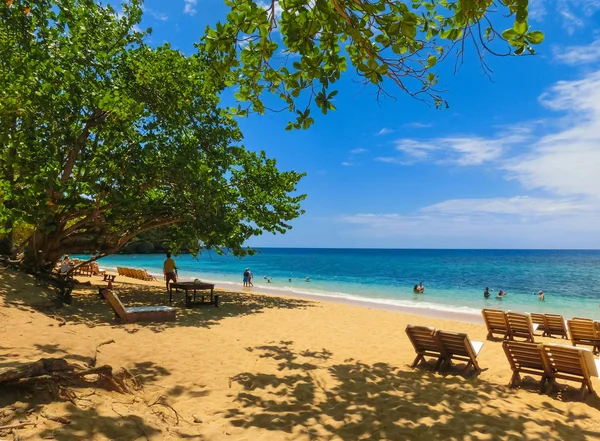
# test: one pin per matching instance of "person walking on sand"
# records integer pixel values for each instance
(170, 270)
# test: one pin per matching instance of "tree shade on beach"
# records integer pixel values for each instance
(298, 49)
(103, 137)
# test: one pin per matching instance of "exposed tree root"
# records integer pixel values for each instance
(59, 377)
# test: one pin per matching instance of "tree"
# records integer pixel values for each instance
(386, 41)
(103, 138)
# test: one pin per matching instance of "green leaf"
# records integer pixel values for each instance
(535, 37)
(431, 60)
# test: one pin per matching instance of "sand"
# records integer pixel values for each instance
(264, 367)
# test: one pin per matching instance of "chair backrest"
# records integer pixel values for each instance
(555, 322)
(422, 338)
(538, 318)
(119, 271)
(495, 319)
(582, 329)
(455, 343)
(519, 322)
(578, 362)
(521, 354)
(115, 303)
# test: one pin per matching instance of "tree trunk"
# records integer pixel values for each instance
(6, 242)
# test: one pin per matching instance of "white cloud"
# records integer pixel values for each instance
(573, 14)
(157, 15)
(358, 151)
(346, 164)
(418, 125)
(518, 205)
(578, 55)
(190, 7)
(458, 150)
(481, 230)
(384, 131)
(567, 161)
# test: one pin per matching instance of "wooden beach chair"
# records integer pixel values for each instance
(495, 321)
(584, 332)
(138, 313)
(555, 325)
(527, 358)
(425, 344)
(574, 364)
(457, 346)
(520, 325)
(120, 270)
(538, 319)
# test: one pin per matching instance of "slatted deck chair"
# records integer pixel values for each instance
(520, 325)
(574, 364)
(555, 325)
(596, 322)
(120, 271)
(538, 319)
(495, 321)
(139, 313)
(425, 344)
(527, 358)
(457, 346)
(584, 332)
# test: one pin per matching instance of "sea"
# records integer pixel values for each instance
(454, 280)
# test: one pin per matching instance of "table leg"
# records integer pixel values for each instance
(188, 299)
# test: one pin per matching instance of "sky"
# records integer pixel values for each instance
(514, 162)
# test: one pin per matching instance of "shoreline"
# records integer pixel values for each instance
(461, 316)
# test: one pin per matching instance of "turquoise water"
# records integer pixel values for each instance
(454, 280)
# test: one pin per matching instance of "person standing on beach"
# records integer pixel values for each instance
(170, 270)
(246, 273)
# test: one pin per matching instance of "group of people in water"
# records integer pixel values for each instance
(420, 289)
(247, 278)
(502, 294)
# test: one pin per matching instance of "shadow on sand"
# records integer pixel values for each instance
(22, 291)
(381, 401)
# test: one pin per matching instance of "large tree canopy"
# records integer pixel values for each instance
(103, 138)
(298, 49)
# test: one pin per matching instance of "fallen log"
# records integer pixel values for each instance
(57, 375)
(44, 366)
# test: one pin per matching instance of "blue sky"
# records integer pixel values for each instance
(513, 163)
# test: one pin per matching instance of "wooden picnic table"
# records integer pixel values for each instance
(190, 298)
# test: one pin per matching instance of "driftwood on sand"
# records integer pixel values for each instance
(58, 375)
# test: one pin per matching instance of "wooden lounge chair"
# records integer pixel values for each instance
(555, 325)
(457, 346)
(574, 364)
(527, 358)
(584, 332)
(425, 344)
(520, 325)
(138, 314)
(495, 321)
(538, 319)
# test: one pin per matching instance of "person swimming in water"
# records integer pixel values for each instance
(486, 293)
(419, 289)
(541, 294)
(501, 294)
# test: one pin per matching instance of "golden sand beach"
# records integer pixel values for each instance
(264, 367)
